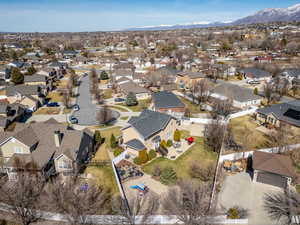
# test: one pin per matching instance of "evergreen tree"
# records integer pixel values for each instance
(31, 70)
(255, 91)
(143, 156)
(104, 75)
(113, 141)
(16, 76)
(131, 99)
(177, 135)
(97, 136)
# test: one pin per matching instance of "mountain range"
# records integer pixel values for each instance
(263, 16)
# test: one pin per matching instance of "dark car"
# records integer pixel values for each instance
(76, 107)
(73, 119)
(119, 99)
(53, 104)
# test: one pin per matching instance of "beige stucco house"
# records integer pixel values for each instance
(147, 130)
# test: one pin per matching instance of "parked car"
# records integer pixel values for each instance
(119, 99)
(52, 104)
(73, 119)
(76, 107)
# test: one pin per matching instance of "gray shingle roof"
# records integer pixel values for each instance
(293, 72)
(235, 92)
(35, 78)
(132, 87)
(22, 89)
(257, 73)
(166, 99)
(287, 112)
(149, 123)
(135, 144)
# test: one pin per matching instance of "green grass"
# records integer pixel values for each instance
(257, 139)
(121, 109)
(143, 104)
(107, 93)
(124, 118)
(198, 152)
(104, 175)
(194, 108)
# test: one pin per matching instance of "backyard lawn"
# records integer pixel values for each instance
(193, 108)
(104, 174)
(197, 153)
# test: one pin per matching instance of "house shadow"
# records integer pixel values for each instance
(249, 168)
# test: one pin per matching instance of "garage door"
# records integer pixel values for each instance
(272, 179)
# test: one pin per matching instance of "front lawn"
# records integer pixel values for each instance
(47, 111)
(143, 104)
(107, 93)
(54, 97)
(121, 109)
(197, 153)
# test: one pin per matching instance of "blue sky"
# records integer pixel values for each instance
(96, 15)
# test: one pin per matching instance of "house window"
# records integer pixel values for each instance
(18, 149)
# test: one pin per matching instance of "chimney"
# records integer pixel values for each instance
(57, 138)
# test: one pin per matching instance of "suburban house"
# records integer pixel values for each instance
(53, 147)
(241, 97)
(278, 114)
(291, 74)
(118, 74)
(126, 87)
(256, 74)
(10, 113)
(169, 103)
(188, 79)
(147, 130)
(273, 169)
(31, 96)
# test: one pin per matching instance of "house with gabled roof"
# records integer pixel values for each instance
(169, 103)
(147, 130)
(285, 113)
(53, 147)
(273, 169)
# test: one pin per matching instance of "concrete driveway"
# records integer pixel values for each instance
(239, 190)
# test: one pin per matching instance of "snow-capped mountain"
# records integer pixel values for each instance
(181, 26)
(272, 15)
(264, 16)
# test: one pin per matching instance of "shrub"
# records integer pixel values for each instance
(168, 176)
(117, 152)
(255, 91)
(104, 75)
(157, 171)
(97, 136)
(177, 135)
(137, 161)
(163, 144)
(205, 174)
(152, 154)
(169, 143)
(143, 155)
(113, 141)
(237, 212)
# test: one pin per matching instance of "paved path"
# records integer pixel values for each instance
(87, 113)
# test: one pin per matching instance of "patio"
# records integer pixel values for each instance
(174, 153)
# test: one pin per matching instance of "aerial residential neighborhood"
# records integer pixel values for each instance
(136, 124)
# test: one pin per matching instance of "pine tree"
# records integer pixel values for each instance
(16, 76)
(113, 141)
(31, 70)
(104, 75)
(97, 136)
(131, 99)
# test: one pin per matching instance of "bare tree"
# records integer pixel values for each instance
(281, 137)
(203, 91)
(104, 115)
(65, 98)
(189, 201)
(77, 201)
(23, 195)
(214, 134)
(268, 92)
(137, 210)
(221, 108)
(281, 206)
